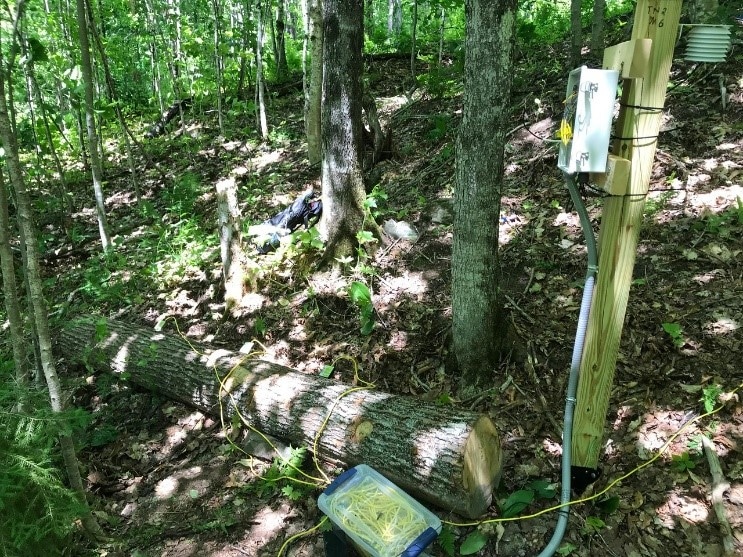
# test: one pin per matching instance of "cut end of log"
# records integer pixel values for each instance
(483, 462)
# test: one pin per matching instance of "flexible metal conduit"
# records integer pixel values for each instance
(580, 337)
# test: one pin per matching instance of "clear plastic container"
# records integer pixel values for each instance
(380, 518)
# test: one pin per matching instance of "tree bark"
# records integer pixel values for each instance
(597, 28)
(447, 456)
(95, 159)
(478, 334)
(313, 82)
(413, 47)
(380, 140)
(218, 62)
(342, 180)
(10, 290)
(576, 33)
(260, 83)
(282, 68)
(230, 237)
(394, 17)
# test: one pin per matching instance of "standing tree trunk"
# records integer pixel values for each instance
(478, 331)
(576, 33)
(282, 68)
(244, 61)
(10, 289)
(313, 81)
(260, 84)
(442, 30)
(217, 12)
(111, 88)
(597, 28)
(228, 212)
(394, 17)
(36, 293)
(342, 181)
(413, 47)
(152, 31)
(95, 160)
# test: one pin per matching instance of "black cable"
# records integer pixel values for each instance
(656, 109)
(632, 138)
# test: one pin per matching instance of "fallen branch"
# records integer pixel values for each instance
(719, 487)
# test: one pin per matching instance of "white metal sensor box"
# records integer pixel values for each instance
(586, 125)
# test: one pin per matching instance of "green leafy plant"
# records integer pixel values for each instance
(674, 331)
(653, 206)
(592, 525)
(446, 540)
(683, 462)
(282, 472)
(722, 224)
(473, 543)
(361, 296)
(260, 327)
(444, 399)
(567, 548)
(180, 199)
(374, 201)
(608, 505)
(517, 501)
(308, 240)
(710, 396)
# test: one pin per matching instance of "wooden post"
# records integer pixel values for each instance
(637, 130)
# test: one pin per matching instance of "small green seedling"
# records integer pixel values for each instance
(473, 543)
(710, 396)
(675, 332)
(593, 525)
(567, 548)
(682, 462)
(361, 296)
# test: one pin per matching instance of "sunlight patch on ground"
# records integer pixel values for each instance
(718, 199)
(298, 333)
(262, 160)
(722, 325)
(167, 488)
(686, 508)
(391, 104)
(706, 278)
(252, 302)
(268, 524)
(409, 283)
(654, 429)
(398, 340)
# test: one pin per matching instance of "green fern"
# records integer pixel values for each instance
(37, 510)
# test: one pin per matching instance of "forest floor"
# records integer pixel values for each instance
(166, 481)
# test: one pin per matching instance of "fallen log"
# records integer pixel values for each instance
(447, 456)
(158, 128)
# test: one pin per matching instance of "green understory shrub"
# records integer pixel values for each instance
(37, 510)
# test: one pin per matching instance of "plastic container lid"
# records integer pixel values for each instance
(380, 518)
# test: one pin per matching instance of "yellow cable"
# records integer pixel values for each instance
(300, 535)
(608, 487)
(317, 482)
